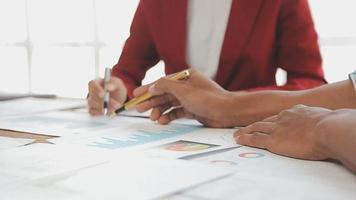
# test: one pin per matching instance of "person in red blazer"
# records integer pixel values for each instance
(260, 36)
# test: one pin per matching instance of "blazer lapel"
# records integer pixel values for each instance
(242, 17)
(175, 28)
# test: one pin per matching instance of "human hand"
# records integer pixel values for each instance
(292, 133)
(118, 95)
(198, 97)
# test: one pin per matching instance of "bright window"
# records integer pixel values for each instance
(335, 23)
(57, 46)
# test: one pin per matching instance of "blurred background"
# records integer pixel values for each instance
(57, 46)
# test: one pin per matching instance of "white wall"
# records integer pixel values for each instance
(57, 46)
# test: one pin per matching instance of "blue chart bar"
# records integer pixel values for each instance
(144, 137)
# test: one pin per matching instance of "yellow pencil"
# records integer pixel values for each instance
(135, 101)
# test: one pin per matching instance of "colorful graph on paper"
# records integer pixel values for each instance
(183, 145)
(140, 137)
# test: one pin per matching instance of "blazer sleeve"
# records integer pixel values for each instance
(298, 51)
(139, 53)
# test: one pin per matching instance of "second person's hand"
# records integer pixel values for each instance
(198, 97)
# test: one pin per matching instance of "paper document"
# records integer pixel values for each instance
(8, 142)
(36, 105)
(57, 175)
(263, 175)
(124, 132)
(39, 160)
(76, 125)
(176, 140)
(200, 142)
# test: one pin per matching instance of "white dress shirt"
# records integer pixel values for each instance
(207, 22)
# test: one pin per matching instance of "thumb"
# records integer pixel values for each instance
(115, 84)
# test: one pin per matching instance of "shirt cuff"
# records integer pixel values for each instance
(352, 77)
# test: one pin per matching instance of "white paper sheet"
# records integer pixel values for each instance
(122, 132)
(7, 142)
(38, 160)
(61, 172)
(263, 175)
(200, 142)
(36, 105)
(65, 123)
(140, 133)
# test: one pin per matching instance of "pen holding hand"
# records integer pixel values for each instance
(114, 97)
(197, 98)
(146, 96)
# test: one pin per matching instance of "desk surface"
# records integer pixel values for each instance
(37, 138)
(297, 178)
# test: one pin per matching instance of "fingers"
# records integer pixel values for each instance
(257, 139)
(117, 91)
(113, 105)
(263, 127)
(257, 134)
(273, 118)
(172, 115)
(96, 93)
(95, 106)
(141, 90)
(158, 111)
(156, 102)
(115, 84)
(95, 88)
(164, 85)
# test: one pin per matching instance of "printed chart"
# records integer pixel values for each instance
(223, 162)
(184, 145)
(251, 155)
(140, 137)
(239, 158)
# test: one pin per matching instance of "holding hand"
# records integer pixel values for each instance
(198, 98)
(118, 95)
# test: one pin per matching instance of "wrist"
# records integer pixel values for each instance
(226, 109)
(236, 110)
(323, 138)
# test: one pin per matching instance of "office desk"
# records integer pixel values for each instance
(37, 138)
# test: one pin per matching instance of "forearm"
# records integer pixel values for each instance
(337, 134)
(254, 106)
(249, 107)
(294, 84)
(332, 96)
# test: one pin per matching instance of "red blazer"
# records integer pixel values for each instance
(261, 36)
